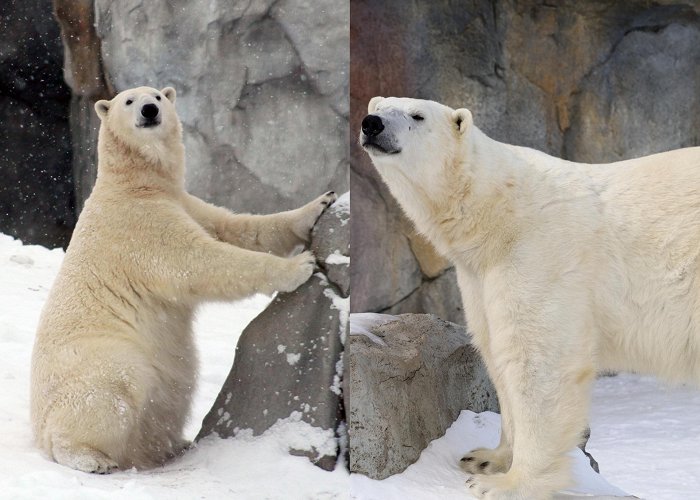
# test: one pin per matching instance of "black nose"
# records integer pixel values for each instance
(372, 125)
(149, 111)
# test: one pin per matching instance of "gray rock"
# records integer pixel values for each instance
(440, 296)
(262, 91)
(408, 384)
(330, 243)
(289, 359)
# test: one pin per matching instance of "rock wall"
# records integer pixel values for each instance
(262, 90)
(36, 192)
(593, 81)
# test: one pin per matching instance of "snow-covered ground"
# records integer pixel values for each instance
(646, 437)
(243, 468)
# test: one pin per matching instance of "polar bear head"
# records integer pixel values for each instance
(142, 119)
(414, 142)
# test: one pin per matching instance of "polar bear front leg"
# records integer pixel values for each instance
(279, 234)
(486, 460)
(545, 370)
(213, 270)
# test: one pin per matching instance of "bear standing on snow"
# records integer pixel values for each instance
(114, 360)
(564, 269)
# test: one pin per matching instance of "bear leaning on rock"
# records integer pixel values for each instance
(114, 361)
(564, 268)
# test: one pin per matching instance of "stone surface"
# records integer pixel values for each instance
(36, 193)
(262, 90)
(84, 72)
(289, 359)
(592, 81)
(439, 295)
(409, 379)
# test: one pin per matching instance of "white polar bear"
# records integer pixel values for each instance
(114, 360)
(564, 268)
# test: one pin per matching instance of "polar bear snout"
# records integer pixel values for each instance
(372, 125)
(375, 138)
(149, 114)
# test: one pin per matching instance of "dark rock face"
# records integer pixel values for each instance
(36, 193)
(408, 383)
(290, 358)
(592, 81)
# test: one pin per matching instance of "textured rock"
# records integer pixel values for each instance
(409, 379)
(36, 193)
(440, 296)
(588, 81)
(83, 71)
(262, 89)
(289, 359)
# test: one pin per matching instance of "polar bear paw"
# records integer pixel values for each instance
(486, 487)
(485, 461)
(84, 459)
(307, 215)
(302, 267)
(501, 486)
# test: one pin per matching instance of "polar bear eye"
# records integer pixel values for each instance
(157, 98)
(128, 102)
(417, 117)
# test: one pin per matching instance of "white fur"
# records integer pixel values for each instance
(114, 360)
(564, 268)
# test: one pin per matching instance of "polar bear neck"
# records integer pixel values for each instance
(462, 212)
(158, 166)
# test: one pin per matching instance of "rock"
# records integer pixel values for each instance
(290, 358)
(589, 81)
(36, 193)
(617, 124)
(262, 90)
(330, 243)
(83, 70)
(440, 296)
(409, 379)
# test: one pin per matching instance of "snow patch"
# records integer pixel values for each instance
(337, 258)
(362, 324)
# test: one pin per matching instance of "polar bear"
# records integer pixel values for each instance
(565, 269)
(114, 361)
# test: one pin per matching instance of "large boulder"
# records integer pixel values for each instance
(591, 81)
(290, 358)
(409, 377)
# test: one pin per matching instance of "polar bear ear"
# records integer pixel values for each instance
(169, 93)
(462, 118)
(102, 107)
(372, 106)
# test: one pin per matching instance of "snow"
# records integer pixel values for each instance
(337, 258)
(644, 435)
(436, 475)
(243, 467)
